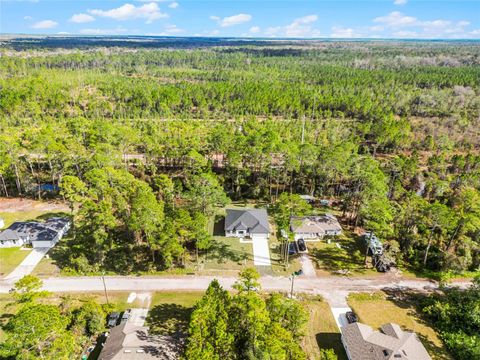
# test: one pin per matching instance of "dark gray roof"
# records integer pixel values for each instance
(130, 342)
(57, 223)
(253, 220)
(392, 343)
(35, 231)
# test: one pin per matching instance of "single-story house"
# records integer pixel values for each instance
(310, 228)
(361, 342)
(37, 234)
(251, 223)
(128, 341)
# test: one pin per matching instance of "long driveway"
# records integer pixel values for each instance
(28, 264)
(261, 252)
(332, 288)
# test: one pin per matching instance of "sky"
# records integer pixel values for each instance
(444, 19)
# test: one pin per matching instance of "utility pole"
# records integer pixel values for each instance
(295, 273)
(104, 286)
(291, 289)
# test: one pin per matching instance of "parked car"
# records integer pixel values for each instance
(113, 319)
(126, 315)
(292, 248)
(301, 245)
(351, 317)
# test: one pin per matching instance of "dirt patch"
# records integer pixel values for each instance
(18, 204)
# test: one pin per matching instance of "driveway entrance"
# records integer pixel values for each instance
(28, 264)
(261, 252)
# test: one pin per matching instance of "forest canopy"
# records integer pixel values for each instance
(147, 142)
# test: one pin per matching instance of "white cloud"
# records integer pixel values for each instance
(116, 31)
(300, 27)
(63, 33)
(168, 30)
(27, 18)
(406, 34)
(409, 26)
(232, 20)
(44, 24)
(400, 2)
(341, 32)
(254, 30)
(82, 18)
(376, 28)
(150, 12)
(173, 5)
(396, 19)
(211, 33)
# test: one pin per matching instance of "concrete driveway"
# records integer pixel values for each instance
(261, 252)
(28, 264)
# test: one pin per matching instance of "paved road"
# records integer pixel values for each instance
(333, 288)
(28, 264)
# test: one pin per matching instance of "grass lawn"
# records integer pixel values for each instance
(329, 258)
(46, 268)
(322, 331)
(375, 310)
(10, 258)
(11, 217)
(170, 312)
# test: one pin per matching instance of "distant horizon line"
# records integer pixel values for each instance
(241, 37)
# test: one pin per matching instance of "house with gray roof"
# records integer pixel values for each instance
(251, 223)
(311, 228)
(361, 342)
(38, 234)
(129, 341)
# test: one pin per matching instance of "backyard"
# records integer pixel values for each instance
(377, 309)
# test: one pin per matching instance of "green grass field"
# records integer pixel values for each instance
(10, 258)
(375, 310)
(322, 331)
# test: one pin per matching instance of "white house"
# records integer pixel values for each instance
(251, 223)
(37, 234)
(313, 228)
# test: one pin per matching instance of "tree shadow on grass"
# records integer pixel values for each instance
(49, 215)
(221, 252)
(350, 256)
(331, 341)
(169, 319)
(219, 226)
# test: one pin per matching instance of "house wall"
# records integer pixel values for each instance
(237, 233)
(42, 244)
(11, 243)
(346, 348)
(308, 236)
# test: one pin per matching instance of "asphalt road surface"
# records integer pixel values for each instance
(332, 288)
